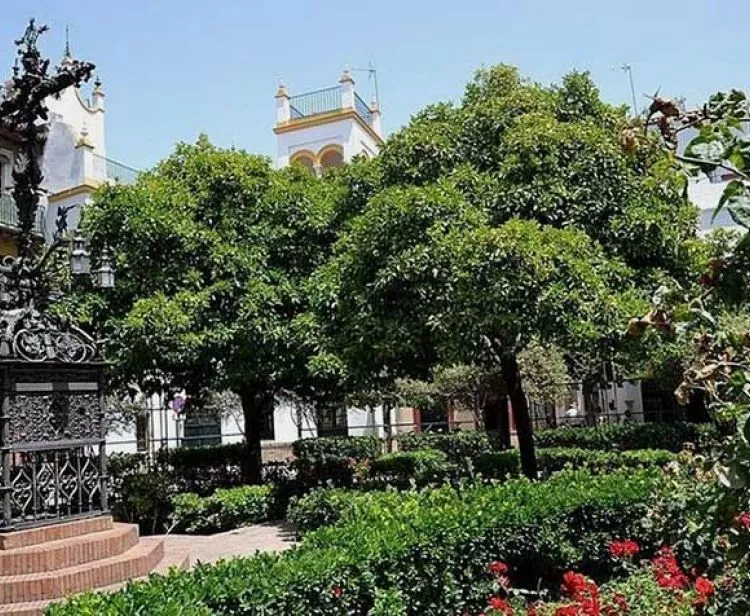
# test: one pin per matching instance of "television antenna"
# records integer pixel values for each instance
(372, 78)
(627, 68)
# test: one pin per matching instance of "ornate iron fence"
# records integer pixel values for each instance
(52, 443)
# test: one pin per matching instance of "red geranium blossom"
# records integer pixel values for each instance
(705, 589)
(743, 520)
(624, 549)
(336, 592)
(667, 572)
(498, 568)
(501, 606)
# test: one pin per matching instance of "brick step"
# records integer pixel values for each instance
(65, 553)
(54, 532)
(136, 562)
(173, 557)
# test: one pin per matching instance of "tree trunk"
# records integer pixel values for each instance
(524, 431)
(255, 403)
(496, 423)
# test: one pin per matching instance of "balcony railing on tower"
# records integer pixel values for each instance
(325, 101)
(115, 172)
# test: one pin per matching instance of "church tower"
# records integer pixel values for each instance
(327, 127)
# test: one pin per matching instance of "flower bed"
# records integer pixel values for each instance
(427, 547)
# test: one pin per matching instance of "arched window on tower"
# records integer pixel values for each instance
(331, 156)
(305, 159)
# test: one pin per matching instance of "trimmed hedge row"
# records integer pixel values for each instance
(224, 510)
(325, 506)
(556, 459)
(456, 445)
(430, 546)
(625, 437)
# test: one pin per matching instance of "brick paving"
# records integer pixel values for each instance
(269, 537)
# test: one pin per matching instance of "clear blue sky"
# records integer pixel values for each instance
(175, 68)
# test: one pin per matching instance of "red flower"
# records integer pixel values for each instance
(498, 568)
(704, 587)
(567, 610)
(501, 606)
(743, 520)
(621, 602)
(336, 592)
(624, 549)
(667, 572)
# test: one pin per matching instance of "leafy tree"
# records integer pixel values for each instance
(439, 269)
(213, 251)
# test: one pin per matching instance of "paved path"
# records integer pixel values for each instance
(269, 537)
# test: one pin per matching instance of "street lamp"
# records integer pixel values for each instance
(80, 262)
(105, 274)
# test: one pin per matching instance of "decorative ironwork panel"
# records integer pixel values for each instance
(47, 485)
(56, 416)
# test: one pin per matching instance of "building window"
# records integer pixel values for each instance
(332, 421)
(202, 429)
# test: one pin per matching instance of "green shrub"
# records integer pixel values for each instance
(556, 459)
(427, 548)
(320, 507)
(498, 464)
(332, 460)
(421, 467)
(457, 445)
(353, 447)
(224, 510)
(623, 437)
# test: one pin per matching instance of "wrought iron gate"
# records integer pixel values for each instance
(52, 451)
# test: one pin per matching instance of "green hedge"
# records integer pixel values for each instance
(224, 510)
(498, 464)
(332, 460)
(430, 547)
(457, 445)
(353, 447)
(319, 507)
(421, 467)
(625, 437)
(556, 459)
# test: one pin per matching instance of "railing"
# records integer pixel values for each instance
(363, 109)
(9, 215)
(314, 103)
(325, 101)
(115, 172)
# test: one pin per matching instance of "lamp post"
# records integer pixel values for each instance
(52, 378)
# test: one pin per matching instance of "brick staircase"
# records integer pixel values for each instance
(40, 565)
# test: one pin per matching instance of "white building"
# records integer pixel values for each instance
(75, 162)
(327, 127)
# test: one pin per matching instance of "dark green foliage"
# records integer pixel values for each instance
(319, 507)
(421, 468)
(138, 494)
(557, 459)
(203, 470)
(457, 445)
(332, 460)
(224, 510)
(498, 464)
(427, 548)
(672, 437)
(354, 447)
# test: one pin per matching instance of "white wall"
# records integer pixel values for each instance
(347, 133)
